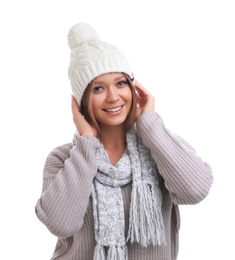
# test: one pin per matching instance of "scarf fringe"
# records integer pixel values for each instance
(99, 253)
(113, 253)
(117, 253)
(146, 222)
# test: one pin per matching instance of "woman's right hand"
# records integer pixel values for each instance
(146, 101)
(83, 127)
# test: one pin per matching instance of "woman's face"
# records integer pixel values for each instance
(111, 99)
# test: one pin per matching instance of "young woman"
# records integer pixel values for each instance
(113, 193)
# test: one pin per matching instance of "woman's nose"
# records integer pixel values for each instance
(112, 95)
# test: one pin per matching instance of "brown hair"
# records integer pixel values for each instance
(86, 108)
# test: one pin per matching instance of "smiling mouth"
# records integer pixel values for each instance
(114, 110)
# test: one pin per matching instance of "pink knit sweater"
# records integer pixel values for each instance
(65, 205)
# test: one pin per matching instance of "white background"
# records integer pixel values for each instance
(182, 51)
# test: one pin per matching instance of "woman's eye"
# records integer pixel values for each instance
(97, 89)
(122, 83)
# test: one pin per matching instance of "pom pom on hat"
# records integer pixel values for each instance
(90, 57)
(81, 33)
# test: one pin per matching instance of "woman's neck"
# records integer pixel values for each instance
(114, 141)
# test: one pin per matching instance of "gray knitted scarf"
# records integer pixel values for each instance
(145, 222)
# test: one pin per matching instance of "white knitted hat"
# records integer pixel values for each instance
(90, 58)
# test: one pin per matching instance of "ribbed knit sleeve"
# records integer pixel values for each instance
(67, 179)
(186, 176)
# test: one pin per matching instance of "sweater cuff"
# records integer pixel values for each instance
(91, 141)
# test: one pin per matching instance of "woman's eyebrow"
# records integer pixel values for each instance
(99, 82)
(120, 78)
(104, 82)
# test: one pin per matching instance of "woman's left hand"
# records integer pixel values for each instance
(146, 102)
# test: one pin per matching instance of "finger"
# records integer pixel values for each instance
(141, 89)
(138, 85)
(74, 104)
(141, 94)
(73, 101)
(76, 110)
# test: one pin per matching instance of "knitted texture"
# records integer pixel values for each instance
(90, 57)
(146, 222)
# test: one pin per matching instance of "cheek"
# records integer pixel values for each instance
(95, 102)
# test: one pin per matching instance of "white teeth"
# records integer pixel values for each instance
(113, 109)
